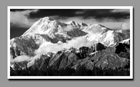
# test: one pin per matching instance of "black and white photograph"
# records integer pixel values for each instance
(70, 42)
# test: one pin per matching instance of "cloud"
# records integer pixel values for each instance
(125, 25)
(76, 43)
(102, 14)
(21, 58)
(22, 18)
(79, 12)
(121, 11)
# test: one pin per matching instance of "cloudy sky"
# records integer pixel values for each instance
(22, 19)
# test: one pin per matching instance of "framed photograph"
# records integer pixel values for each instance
(70, 42)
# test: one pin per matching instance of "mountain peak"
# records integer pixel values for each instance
(42, 26)
(43, 20)
(95, 28)
(73, 23)
(99, 26)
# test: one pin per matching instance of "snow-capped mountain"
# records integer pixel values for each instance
(44, 26)
(51, 27)
(49, 30)
(54, 31)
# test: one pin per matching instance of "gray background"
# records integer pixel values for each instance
(4, 82)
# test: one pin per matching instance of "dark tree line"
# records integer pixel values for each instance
(82, 71)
